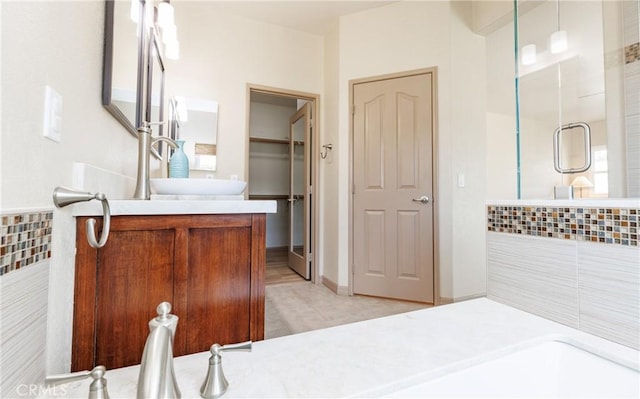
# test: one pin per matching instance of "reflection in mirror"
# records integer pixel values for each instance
(585, 80)
(196, 122)
(123, 65)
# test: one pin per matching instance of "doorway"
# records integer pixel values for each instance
(282, 167)
(393, 209)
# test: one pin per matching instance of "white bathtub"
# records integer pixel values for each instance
(551, 369)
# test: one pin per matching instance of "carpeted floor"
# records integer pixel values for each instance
(300, 306)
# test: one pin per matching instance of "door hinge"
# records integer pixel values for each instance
(310, 257)
(353, 189)
(353, 109)
(310, 190)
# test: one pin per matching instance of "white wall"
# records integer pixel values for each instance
(60, 44)
(329, 238)
(468, 152)
(412, 35)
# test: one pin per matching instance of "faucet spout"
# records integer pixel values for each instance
(145, 142)
(157, 378)
(172, 143)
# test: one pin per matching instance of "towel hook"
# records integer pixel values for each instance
(63, 196)
(326, 148)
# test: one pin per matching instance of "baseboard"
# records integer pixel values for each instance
(447, 301)
(333, 286)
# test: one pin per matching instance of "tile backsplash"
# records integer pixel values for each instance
(595, 224)
(577, 265)
(25, 239)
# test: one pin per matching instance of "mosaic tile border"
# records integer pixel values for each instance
(25, 239)
(632, 53)
(604, 225)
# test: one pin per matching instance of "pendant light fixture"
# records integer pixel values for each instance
(165, 14)
(558, 39)
(529, 54)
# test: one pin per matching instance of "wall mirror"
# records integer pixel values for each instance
(133, 71)
(196, 122)
(123, 68)
(154, 98)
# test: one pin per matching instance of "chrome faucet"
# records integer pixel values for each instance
(215, 384)
(157, 379)
(145, 142)
(97, 389)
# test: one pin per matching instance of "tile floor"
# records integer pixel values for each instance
(300, 306)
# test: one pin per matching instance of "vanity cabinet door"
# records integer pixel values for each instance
(117, 290)
(134, 275)
(209, 267)
(218, 282)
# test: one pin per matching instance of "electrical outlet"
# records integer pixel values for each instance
(52, 127)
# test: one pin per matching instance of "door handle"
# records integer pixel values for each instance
(424, 199)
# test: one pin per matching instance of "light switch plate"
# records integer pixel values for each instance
(460, 180)
(52, 126)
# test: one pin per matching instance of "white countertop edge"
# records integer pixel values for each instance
(175, 207)
(394, 352)
(575, 203)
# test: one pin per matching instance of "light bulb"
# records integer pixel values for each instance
(165, 14)
(529, 54)
(134, 13)
(558, 41)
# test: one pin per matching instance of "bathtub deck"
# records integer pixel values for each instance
(370, 358)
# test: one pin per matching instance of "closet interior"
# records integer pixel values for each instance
(280, 170)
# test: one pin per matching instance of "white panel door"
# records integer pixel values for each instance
(393, 186)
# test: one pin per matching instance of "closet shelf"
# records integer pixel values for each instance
(268, 196)
(274, 196)
(272, 141)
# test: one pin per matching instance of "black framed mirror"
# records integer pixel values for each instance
(124, 63)
(155, 73)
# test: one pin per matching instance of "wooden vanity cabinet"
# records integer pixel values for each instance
(209, 267)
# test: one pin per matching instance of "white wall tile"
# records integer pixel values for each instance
(23, 311)
(609, 291)
(535, 274)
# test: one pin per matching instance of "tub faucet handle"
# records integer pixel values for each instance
(97, 389)
(215, 385)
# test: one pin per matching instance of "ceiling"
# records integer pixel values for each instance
(316, 17)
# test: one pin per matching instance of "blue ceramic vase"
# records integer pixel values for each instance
(179, 163)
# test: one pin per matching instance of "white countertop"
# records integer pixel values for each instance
(369, 358)
(573, 203)
(175, 207)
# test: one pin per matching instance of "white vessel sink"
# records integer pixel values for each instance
(197, 186)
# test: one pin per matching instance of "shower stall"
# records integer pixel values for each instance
(574, 99)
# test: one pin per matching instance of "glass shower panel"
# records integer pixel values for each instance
(560, 81)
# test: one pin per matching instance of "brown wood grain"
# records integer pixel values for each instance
(135, 274)
(258, 265)
(218, 287)
(210, 267)
(82, 351)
